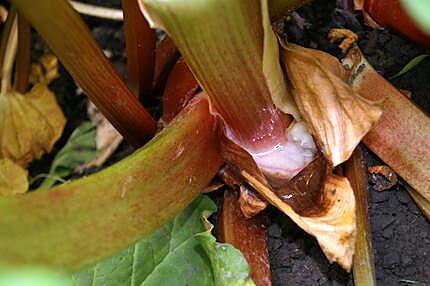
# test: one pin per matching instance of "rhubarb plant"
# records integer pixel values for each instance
(268, 118)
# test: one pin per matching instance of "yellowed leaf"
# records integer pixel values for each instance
(336, 116)
(45, 71)
(13, 178)
(30, 124)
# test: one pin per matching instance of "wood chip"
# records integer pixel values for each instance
(389, 177)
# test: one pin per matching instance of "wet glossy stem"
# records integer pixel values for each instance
(9, 43)
(222, 43)
(69, 38)
(140, 45)
(364, 267)
(22, 68)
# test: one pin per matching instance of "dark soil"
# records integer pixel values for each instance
(401, 234)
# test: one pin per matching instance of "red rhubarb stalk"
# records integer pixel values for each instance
(247, 235)
(140, 45)
(180, 88)
(73, 44)
(401, 138)
(390, 13)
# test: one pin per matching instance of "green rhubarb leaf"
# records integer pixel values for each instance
(181, 252)
(79, 149)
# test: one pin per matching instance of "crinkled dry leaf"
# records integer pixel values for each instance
(335, 229)
(13, 178)
(30, 124)
(337, 117)
(347, 37)
(45, 71)
(250, 203)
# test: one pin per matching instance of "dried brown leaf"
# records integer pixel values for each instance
(335, 229)
(250, 203)
(347, 38)
(336, 116)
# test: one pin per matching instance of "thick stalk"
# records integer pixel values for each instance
(83, 221)
(140, 45)
(166, 55)
(364, 266)
(71, 41)
(401, 138)
(227, 64)
(23, 64)
(178, 91)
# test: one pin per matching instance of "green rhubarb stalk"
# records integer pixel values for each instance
(69, 38)
(83, 221)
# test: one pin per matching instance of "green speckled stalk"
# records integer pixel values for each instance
(83, 221)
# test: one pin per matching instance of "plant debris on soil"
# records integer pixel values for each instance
(401, 234)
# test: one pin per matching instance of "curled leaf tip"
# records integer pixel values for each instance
(337, 117)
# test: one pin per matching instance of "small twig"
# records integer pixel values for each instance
(98, 11)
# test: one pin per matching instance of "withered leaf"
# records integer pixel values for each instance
(45, 71)
(336, 116)
(30, 124)
(13, 178)
(335, 229)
